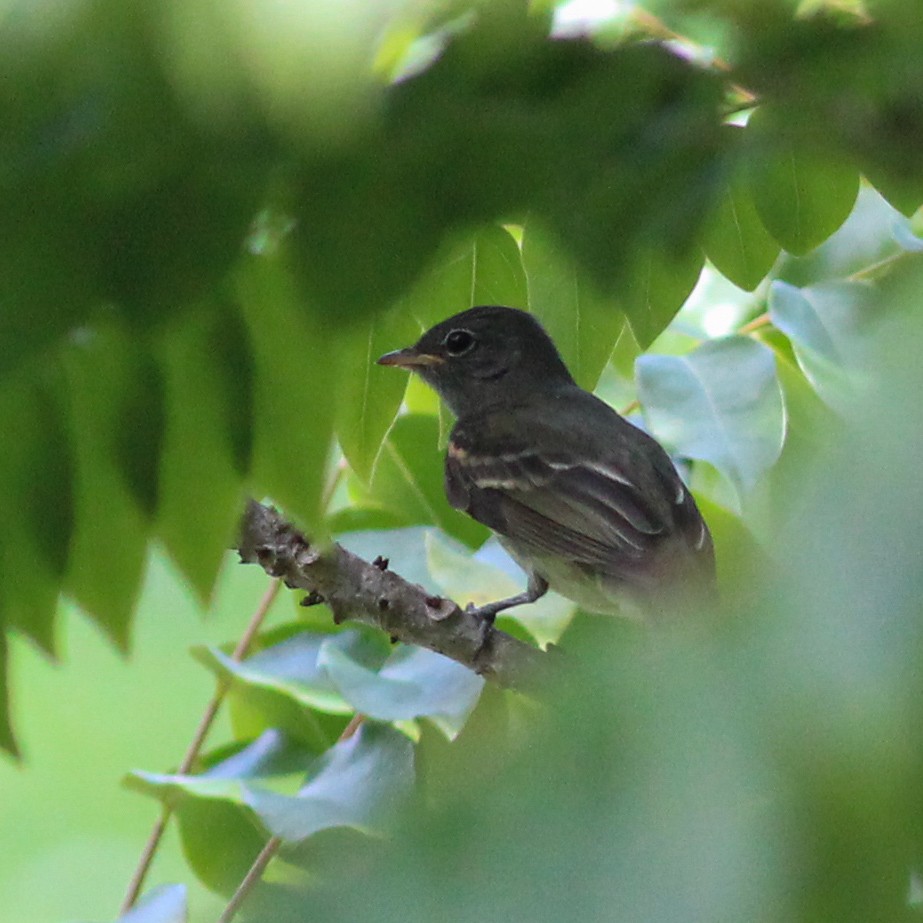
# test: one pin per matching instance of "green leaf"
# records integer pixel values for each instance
(369, 395)
(903, 191)
(358, 783)
(7, 737)
(232, 356)
(802, 193)
(412, 683)
(655, 285)
(109, 544)
(466, 579)
(829, 326)
(163, 904)
(408, 480)
(138, 439)
(720, 403)
(291, 668)
(220, 841)
(220, 833)
(481, 268)
(201, 493)
(735, 239)
(37, 514)
(294, 388)
(583, 323)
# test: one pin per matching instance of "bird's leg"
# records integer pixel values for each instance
(535, 589)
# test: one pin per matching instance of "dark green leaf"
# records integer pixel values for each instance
(583, 323)
(201, 495)
(655, 286)
(358, 783)
(802, 193)
(138, 438)
(7, 737)
(233, 362)
(163, 904)
(109, 545)
(369, 395)
(294, 389)
(37, 515)
(735, 239)
(721, 404)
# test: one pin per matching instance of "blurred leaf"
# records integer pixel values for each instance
(138, 440)
(583, 324)
(232, 354)
(411, 683)
(201, 494)
(294, 390)
(369, 396)
(163, 904)
(829, 325)
(358, 782)
(481, 268)
(465, 579)
(404, 548)
(108, 549)
(409, 480)
(37, 483)
(656, 284)
(721, 404)
(802, 194)
(7, 737)
(220, 841)
(735, 239)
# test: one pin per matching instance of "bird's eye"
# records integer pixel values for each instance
(458, 342)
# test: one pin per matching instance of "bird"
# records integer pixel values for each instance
(583, 500)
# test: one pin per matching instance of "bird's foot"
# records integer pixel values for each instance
(487, 615)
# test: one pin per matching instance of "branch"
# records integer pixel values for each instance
(359, 591)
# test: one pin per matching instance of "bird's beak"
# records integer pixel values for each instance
(409, 358)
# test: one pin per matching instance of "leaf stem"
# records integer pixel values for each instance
(195, 746)
(273, 845)
(763, 320)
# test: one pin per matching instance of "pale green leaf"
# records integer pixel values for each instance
(721, 403)
(358, 783)
(466, 579)
(163, 904)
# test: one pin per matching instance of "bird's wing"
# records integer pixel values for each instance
(586, 510)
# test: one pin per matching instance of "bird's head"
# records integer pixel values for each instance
(483, 356)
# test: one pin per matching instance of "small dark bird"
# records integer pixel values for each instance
(584, 501)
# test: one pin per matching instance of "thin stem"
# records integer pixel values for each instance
(254, 874)
(764, 320)
(870, 272)
(192, 752)
(273, 845)
(630, 408)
